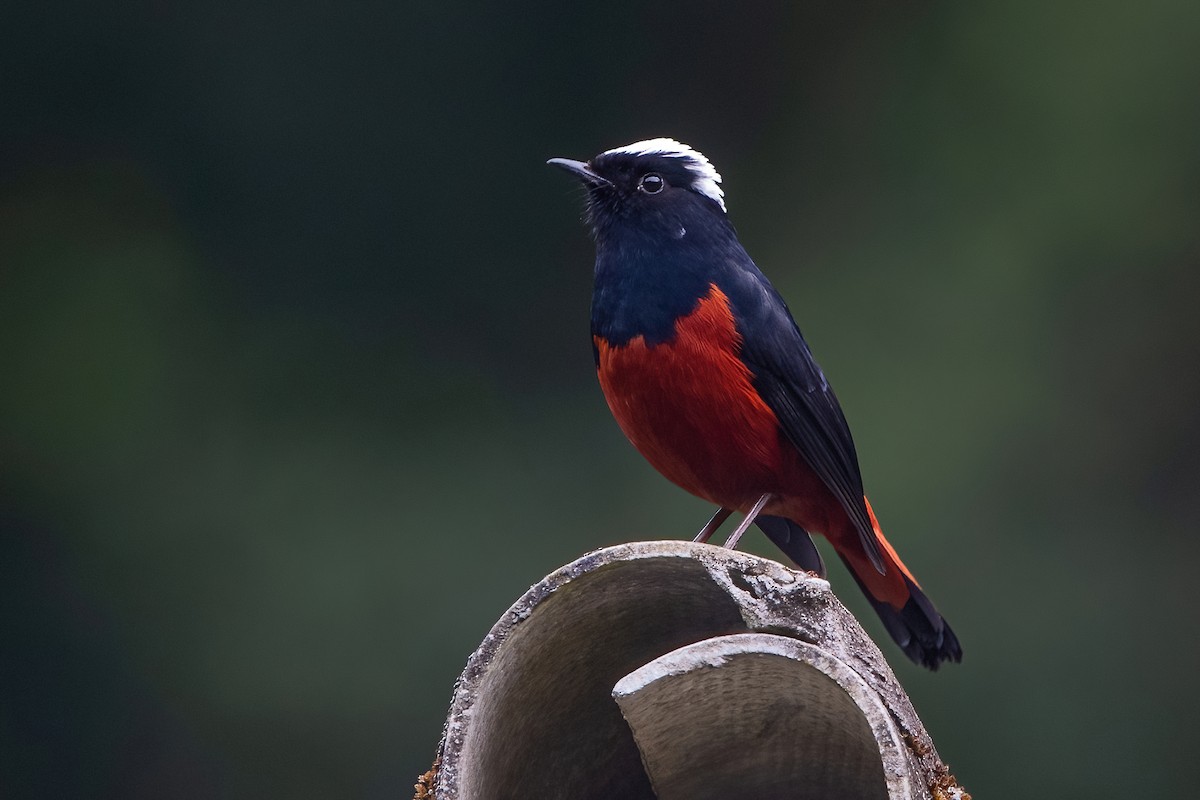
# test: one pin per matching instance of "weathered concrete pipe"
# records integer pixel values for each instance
(678, 670)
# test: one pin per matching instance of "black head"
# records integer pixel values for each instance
(654, 184)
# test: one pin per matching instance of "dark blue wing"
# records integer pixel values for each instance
(789, 380)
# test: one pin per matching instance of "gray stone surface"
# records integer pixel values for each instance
(760, 715)
(657, 623)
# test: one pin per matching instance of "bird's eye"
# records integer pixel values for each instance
(652, 183)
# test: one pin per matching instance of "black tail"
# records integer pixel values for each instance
(793, 541)
(922, 633)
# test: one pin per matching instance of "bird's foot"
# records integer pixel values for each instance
(711, 526)
(732, 541)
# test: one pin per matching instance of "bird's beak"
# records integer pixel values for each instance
(580, 170)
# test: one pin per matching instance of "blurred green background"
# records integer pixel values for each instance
(294, 346)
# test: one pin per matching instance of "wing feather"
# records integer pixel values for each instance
(789, 380)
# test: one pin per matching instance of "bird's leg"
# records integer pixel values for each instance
(711, 526)
(732, 541)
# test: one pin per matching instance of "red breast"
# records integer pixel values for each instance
(690, 408)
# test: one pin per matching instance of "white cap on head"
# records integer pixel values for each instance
(707, 180)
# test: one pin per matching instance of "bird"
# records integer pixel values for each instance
(709, 377)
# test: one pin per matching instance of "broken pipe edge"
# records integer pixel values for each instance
(533, 713)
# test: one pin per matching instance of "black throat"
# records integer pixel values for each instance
(652, 269)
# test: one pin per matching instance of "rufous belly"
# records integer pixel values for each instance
(690, 408)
